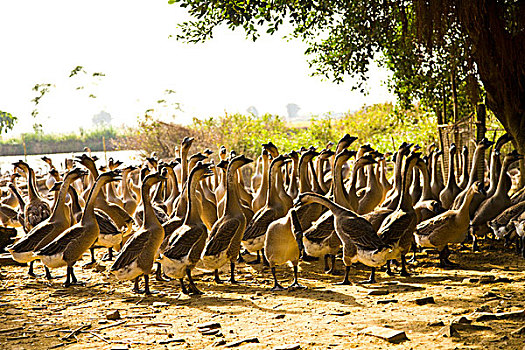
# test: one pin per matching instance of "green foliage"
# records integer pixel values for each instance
(7, 121)
(38, 142)
(381, 125)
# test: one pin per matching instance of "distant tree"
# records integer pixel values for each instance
(253, 110)
(102, 118)
(7, 121)
(293, 110)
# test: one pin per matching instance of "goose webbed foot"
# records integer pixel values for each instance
(93, 262)
(372, 278)
(232, 279)
(216, 277)
(296, 284)
(257, 260)
(182, 286)
(345, 281)
(48, 273)
(159, 276)
(388, 269)
(193, 288)
(404, 271)
(331, 271)
(109, 255)
(30, 272)
(276, 286)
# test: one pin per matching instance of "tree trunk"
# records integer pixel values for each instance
(498, 54)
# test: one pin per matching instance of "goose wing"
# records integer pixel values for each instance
(360, 232)
(434, 225)
(184, 241)
(131, 250)
(377, 217)
(105, 223)
(61, 243)
(321, 229)
(259, 224)
(396, 225)
(35, 214)
(30, 241)
(221, 236)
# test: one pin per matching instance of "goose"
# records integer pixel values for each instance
(451, 190)
(49, 229)
(140, 250)
(360, 241)
(501, 225)
(280, 247)
(21, 204)
(427, 206)
(473, 177)
(373, 192)
(220, 190)
(129, 202)
(36, 209)
(187, 242)
(464, 178)
(448, 227)
(392, 198)
(254, 234)
(11, 199)
(53, 177)
(500, 201)
(320, 240)
(293, 188)
(495, 166)
(9, 216)
(224, 241)
(261, 196)
(324, 157)
(257, 175)
(361, 177)
(383, 179)
(519, 224)
(115, 212)
(436, 179)
(174, 193)
(397, 229)
(70, 245)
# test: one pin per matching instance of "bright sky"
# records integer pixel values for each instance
(42, 41)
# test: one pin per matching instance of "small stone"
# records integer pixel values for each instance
(288, 347)
(471, 280)
(219, 342)
(502, 280)
(484, 316)
(448, 331)
(483, 308)
(386, 301)
(207, 331)
(486, 279)
(13, 312)
(209, 325)
(175, 340)
(113, 315)
(436, 324)
(388, 334)
(378, 292)
(280, 316)
(240, 342)
(160, 304)
(462, 320)
(340, 313)
(489, 295)
(424, 301)
(259, 294)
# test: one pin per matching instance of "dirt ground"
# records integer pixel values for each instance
(36, 314)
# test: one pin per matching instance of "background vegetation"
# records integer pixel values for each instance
(40, 143)
(381, 125)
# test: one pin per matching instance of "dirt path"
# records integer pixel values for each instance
(35, 314)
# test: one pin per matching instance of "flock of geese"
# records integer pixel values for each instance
(307, 204)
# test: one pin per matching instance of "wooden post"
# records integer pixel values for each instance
(25, 150)
(481, 114)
